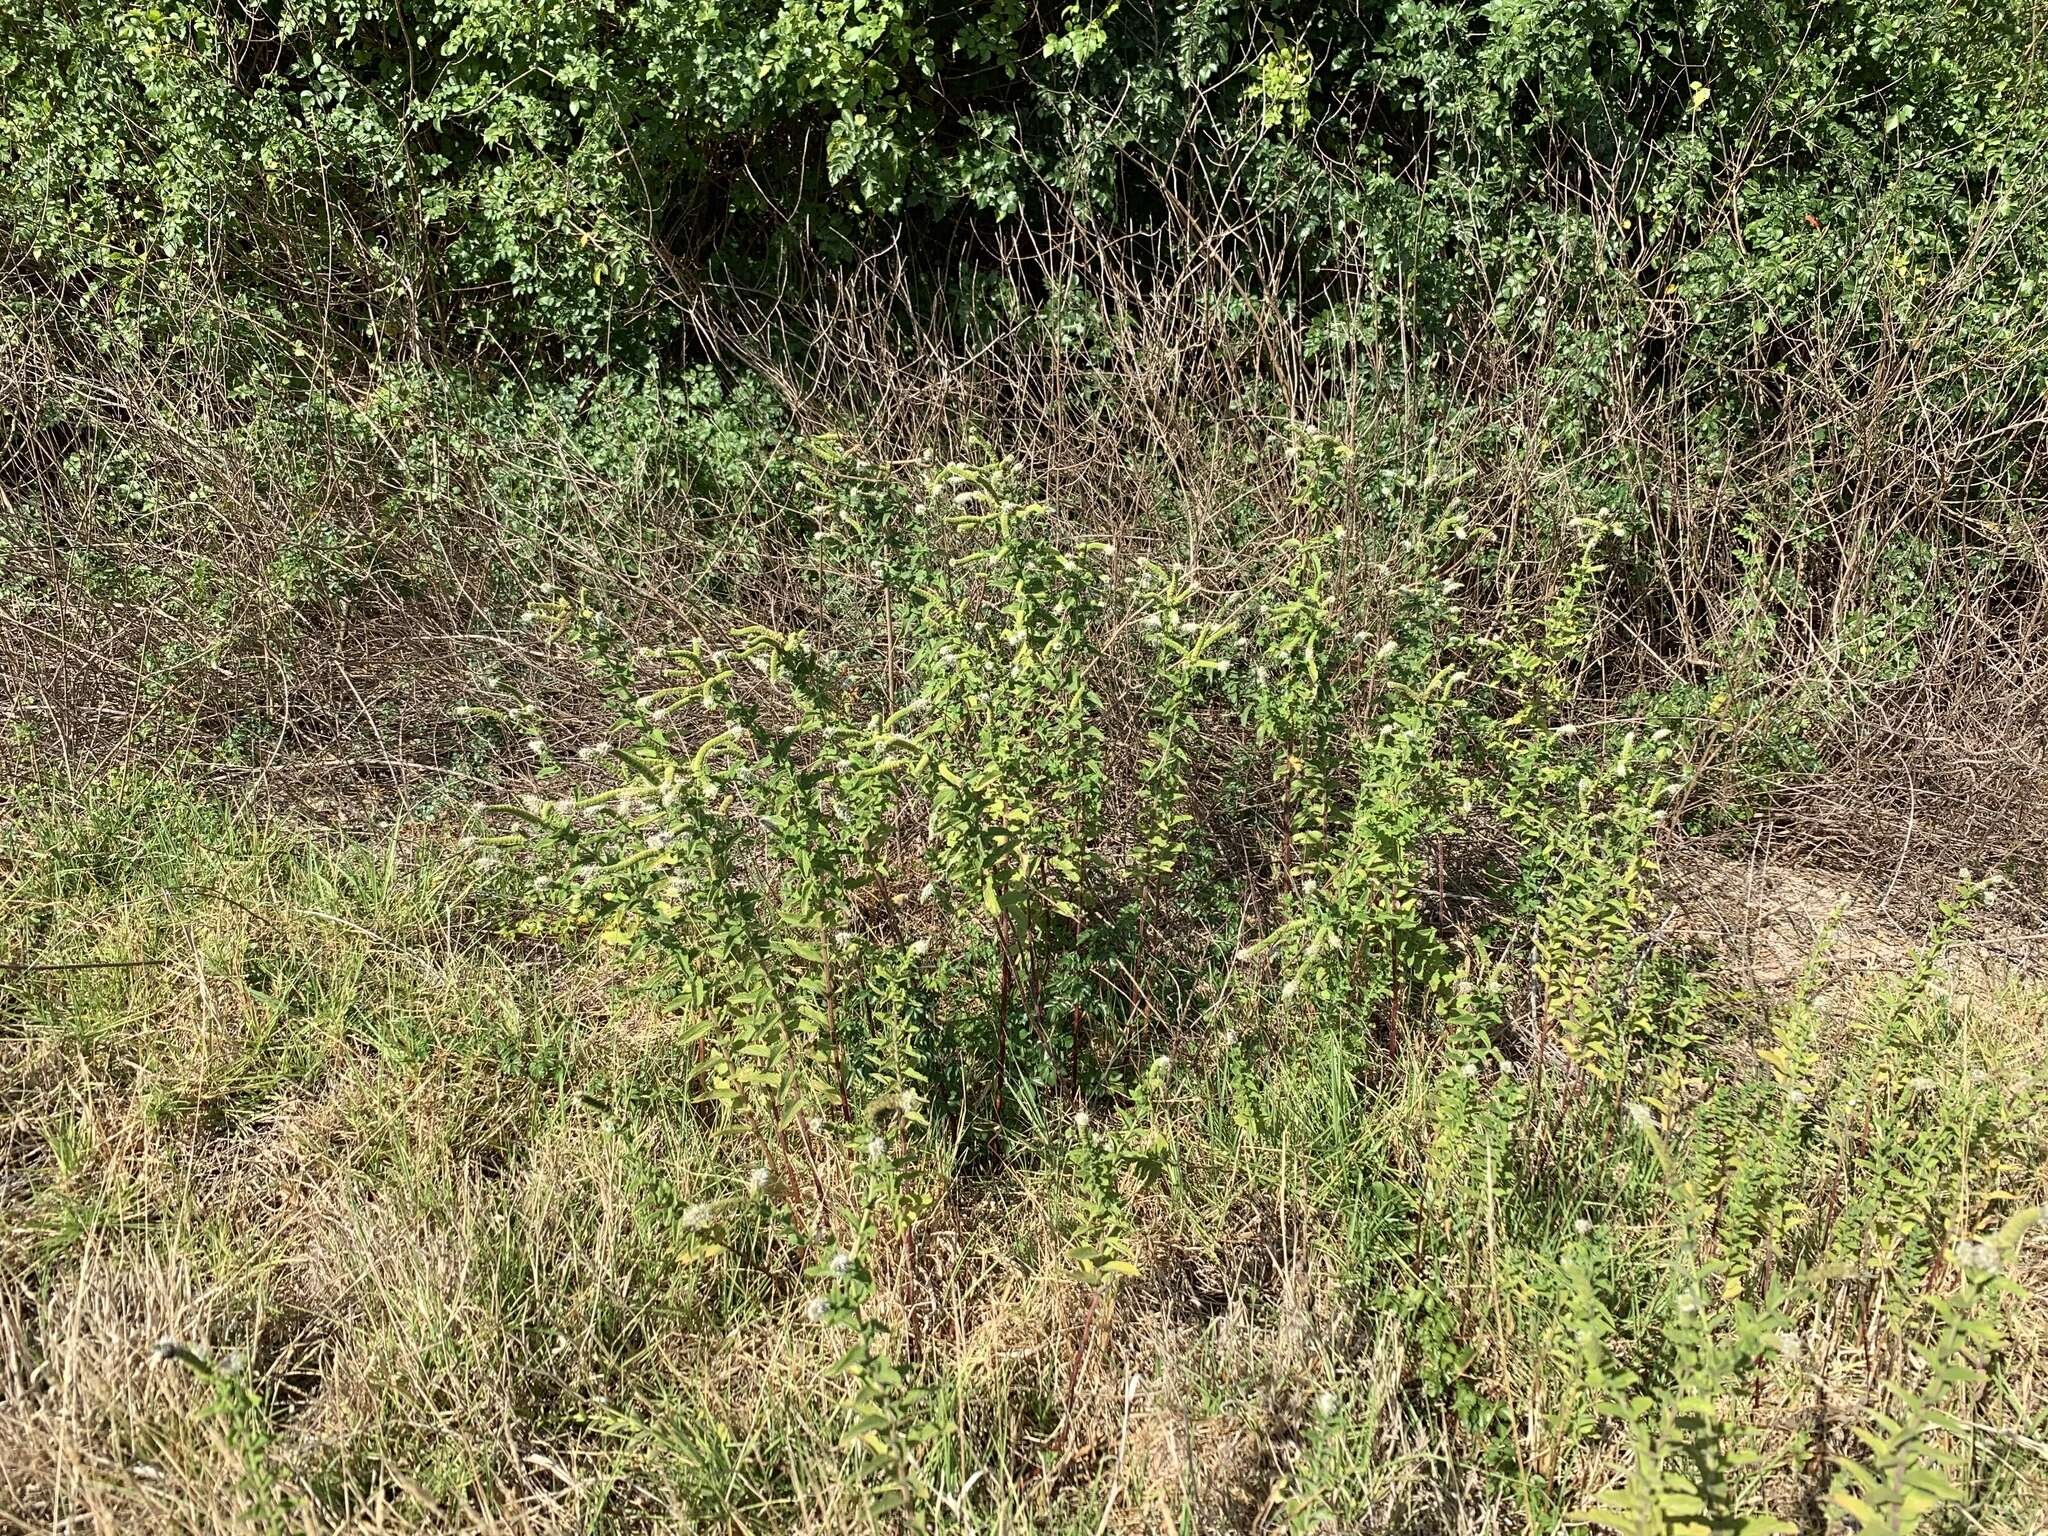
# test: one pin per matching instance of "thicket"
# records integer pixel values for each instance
(505, 181)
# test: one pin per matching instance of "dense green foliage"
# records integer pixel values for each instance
(489, 177)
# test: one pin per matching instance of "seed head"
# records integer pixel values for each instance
(1975, 1258)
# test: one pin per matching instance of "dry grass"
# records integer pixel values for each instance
(335, 1140)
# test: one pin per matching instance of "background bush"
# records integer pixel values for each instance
(499, 181)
